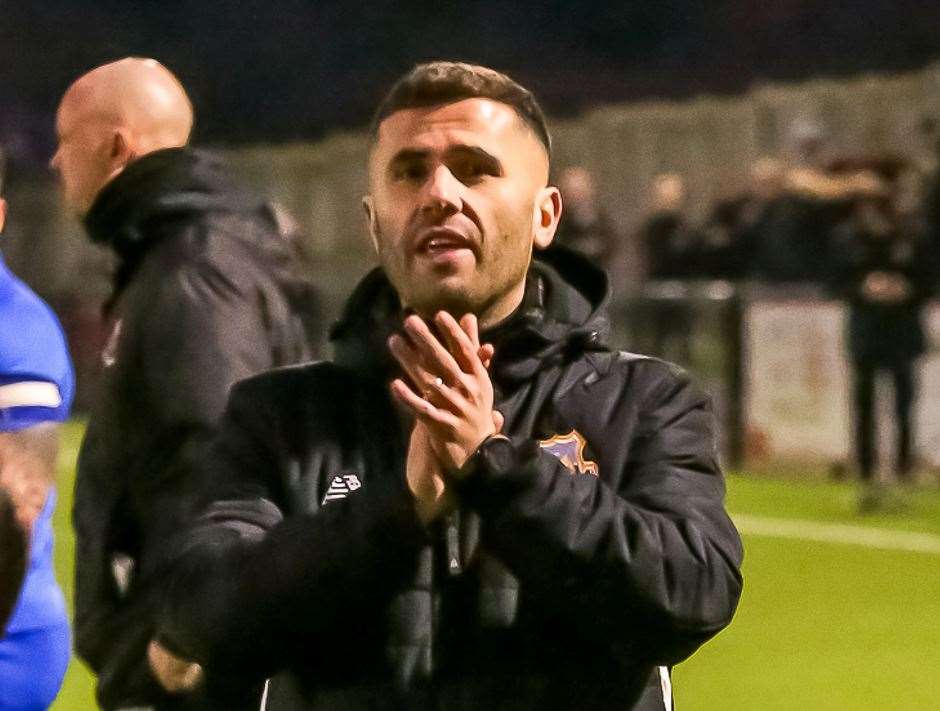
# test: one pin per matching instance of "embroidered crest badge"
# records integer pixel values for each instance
(569, 448)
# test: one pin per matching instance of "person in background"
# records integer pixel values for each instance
(36, 391)
(738, 232)
(584, 225)
(665, 318)
(207, 291)
(882, 270)
(669, 240)
(797, 246)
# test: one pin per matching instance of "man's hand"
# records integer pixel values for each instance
(455, 403)
(885, 287)
(425, 476)
(174, 674)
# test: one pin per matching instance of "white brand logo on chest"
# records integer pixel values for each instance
(341, 486)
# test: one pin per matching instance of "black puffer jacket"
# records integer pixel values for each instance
(588, 555)
(882, 333)
(207, 292)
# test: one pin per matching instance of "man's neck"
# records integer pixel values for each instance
(489, 316)
(500, 310)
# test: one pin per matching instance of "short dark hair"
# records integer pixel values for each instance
(436, 83)
(3, 169)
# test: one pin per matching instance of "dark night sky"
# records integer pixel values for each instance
(288, 69)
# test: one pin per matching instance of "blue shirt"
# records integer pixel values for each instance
(36, 385)
(36, 380)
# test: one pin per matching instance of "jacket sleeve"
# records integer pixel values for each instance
(255, 582)
(652, 569)
(195, 333)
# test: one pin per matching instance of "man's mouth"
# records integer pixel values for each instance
(441, 240)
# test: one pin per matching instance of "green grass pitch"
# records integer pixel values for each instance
(821, 627)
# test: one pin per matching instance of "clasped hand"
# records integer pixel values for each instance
(449, 390)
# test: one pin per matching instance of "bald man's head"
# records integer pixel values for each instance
(113, 115)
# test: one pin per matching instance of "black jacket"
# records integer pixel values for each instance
(551, 588)
(207, 292)
(882, 333)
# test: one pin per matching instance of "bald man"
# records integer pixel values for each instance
(113, 115)
(207, 291)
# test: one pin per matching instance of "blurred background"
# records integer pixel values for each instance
(727, 162)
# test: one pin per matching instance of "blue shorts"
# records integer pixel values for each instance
(32, 666)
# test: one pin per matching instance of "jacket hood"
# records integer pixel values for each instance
(167, 183)
(159, 188)
(563, 313)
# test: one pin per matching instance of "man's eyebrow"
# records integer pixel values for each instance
(463, 151)
(406, 155)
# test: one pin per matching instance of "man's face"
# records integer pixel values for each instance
(458, 196)
(82, 158)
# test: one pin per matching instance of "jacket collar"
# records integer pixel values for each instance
(175, 182)
(165, 183)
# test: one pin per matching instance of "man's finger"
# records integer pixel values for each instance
(410, 361)
(498, 420)
(432, 388)
(176, 675)
(434, 355)
(424, 410)
(462, 345)
(486, 353)
(470, 326)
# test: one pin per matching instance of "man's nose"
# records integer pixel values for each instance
(54, 161)
(443, 192)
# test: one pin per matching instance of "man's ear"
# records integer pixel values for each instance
(372, 221)
(121, 152)
(547, 214)
(3, 213)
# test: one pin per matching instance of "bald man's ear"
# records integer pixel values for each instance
(122, 149)
(546, 217)
(372, 221)
(3, 213)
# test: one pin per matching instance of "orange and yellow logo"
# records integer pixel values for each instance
(569, 448)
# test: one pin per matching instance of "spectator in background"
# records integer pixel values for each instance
(731, 237)
(719, 253)
(883, 272)
(36, 386)
(792, 241)
(207, 292)
(745, 225)
(928, 167)
(667, 237)
(670, 243)
(584, 226)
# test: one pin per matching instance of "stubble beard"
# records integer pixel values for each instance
(483, 293)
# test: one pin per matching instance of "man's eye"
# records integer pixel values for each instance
(470, 171)
(411, 173)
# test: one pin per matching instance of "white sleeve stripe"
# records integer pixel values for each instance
(30, 394)
(264, 695)
(666, 683)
